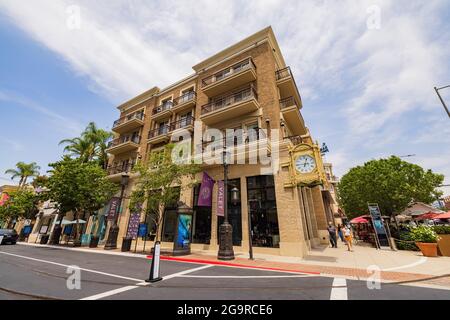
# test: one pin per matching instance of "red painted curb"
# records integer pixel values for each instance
(229, 264)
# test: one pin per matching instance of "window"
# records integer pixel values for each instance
(263, 211)
(170, 220)
(163, 127)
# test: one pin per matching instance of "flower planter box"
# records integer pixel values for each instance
(444, 244)
(428, 249)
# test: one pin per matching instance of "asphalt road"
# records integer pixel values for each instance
(28, 272)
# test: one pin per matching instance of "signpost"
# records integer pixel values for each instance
(381, 236)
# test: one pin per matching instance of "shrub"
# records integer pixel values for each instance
(442, 229)
(406, 236)
(424, 234)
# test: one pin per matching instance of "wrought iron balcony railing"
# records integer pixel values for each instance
(123, 139)
(230, 99)
(120, 168)
(186, 97)
(225, 73)
(182, 123)
(136, 115)
(283, 73)
(159, 131)
(294, 139)
(163, 107)
(287, 102)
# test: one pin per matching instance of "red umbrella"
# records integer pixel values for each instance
(443, 216)
(428, 216)
(359, 220)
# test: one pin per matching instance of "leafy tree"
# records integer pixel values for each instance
(90, 146)
(392, 183)
(159, 183)
(79, 187)
(22, 204)
(24, 171)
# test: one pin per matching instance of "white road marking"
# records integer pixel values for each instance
(245, 277)
(421, 260)
(127, 288)
(66, 265)
(339, 290)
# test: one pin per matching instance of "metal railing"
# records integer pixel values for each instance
(283, 73)
(159, 131)
(186, 97)
(288, 102)
(120, 140)
(163, 107)
(182, 123)
(255, 134)
(136, 115)
(120, 168)
(227, 72)
(230, 99)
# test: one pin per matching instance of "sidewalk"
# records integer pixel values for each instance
(395, 266)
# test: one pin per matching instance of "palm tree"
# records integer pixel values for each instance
(79, 147)
(24, 171)
(90, 146)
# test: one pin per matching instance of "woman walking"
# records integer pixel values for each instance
(348, 237)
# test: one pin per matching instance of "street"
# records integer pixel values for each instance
(33, 272)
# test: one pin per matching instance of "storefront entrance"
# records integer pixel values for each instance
(234, 213)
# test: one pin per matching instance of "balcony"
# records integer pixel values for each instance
(184, 102)
(162, 111)
(115, 172)
(291, 114)
(186, 123)
(230, 106)
(229, 78)
(123, 144)
(159, 135)
(295, 140)
(286, 84)
(128, 123)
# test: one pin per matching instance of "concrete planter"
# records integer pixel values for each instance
(428, 249)
(444, 244)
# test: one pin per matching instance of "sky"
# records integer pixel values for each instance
(365, 69)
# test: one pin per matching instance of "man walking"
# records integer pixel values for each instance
(332, 232)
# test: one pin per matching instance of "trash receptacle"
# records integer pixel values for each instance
(94, 242)
(44, 239)
(126, 244)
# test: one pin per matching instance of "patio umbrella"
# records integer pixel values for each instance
(443, 216)
(428, 216)
(359, 220)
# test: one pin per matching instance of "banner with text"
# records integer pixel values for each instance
(206, 188)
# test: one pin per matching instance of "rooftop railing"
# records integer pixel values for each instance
(225, 73)
(230, 99)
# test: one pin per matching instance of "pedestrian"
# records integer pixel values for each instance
(340, 233)
(332, 233)
(348, 237)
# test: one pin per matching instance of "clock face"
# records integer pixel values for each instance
(305, 164)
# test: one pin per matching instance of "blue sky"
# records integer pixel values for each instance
(367, 88)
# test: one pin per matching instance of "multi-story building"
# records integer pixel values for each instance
(247, 87)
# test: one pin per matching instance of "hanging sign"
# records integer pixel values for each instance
(113, 204)
(378, 225)
(133, 225)
(220, 198)
(205, 194)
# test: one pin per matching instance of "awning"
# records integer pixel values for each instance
(443, 216)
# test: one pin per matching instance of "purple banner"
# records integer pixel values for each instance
(206, 188)
(133, 225)
(220, 198)
(113, 204)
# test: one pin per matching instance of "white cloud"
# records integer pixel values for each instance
(379, 82)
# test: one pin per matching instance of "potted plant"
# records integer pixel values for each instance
(444, 239)
(426, 239)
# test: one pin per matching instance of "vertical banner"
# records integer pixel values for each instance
(133, 225)
(220, 198)
(205, 195)
(113, 204)
(377, 220)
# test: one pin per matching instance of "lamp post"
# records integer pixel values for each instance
(111, 242)
(226, 229)
(442, 100)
